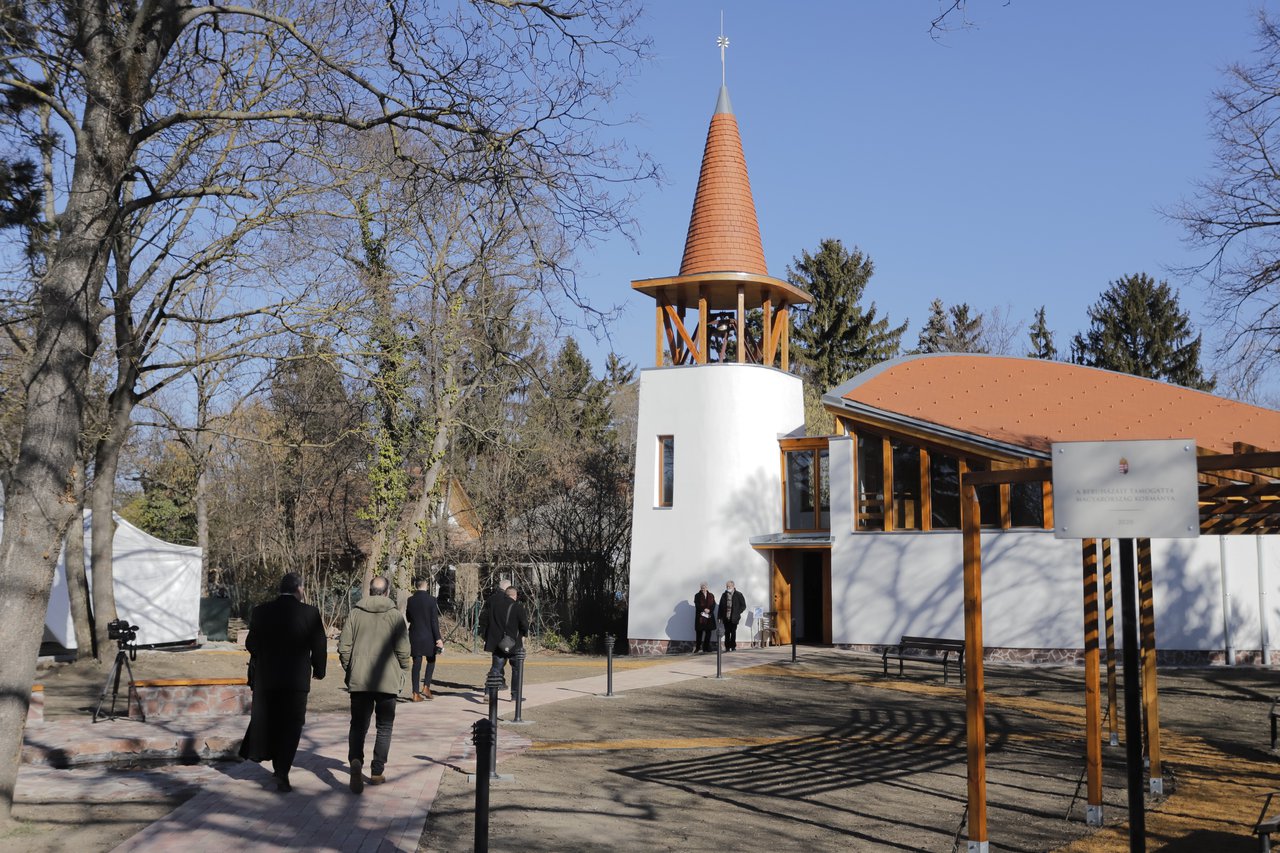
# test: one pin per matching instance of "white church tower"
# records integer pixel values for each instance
(708, 467)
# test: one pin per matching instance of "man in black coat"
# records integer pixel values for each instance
(732, 605)
(506, 616)
(287, 649)
(423, 616)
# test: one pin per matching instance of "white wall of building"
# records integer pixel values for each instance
(884, 585)
(726, 420)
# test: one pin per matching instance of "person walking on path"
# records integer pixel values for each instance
(287, 649)
(374, 652)
(704, 618)
(506, 618)
(425, 640)
(732, 605)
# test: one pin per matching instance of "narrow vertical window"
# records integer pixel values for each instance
(666, 469)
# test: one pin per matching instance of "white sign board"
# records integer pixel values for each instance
(1125, 490)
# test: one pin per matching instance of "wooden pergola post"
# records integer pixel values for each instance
(975, 697)
(1092, 686)
(1110, 611)
(1150, 696)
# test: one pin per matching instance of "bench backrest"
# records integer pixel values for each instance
(932, 644)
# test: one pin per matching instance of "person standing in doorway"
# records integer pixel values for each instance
(704, 618)
(424, 636)
(374, 651)
(287, 649)
(732, 605)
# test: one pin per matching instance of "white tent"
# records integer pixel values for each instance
(157, 588)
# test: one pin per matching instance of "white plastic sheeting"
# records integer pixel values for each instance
(157, 587)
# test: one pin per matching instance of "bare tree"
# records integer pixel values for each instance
(1235, 215)
(129, 82)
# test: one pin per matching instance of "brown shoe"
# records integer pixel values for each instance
(377, 779)
(426, 694)
(418, 697)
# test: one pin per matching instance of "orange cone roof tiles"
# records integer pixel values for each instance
(1030, 403)
(724, 234)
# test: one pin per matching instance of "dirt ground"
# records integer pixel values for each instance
(824, 754)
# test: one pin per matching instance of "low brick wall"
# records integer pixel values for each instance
(35, 710)
(173, 698)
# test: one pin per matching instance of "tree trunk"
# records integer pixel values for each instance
(106, 461)
(77, 581)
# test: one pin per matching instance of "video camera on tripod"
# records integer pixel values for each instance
(126, 637)
(123, 633)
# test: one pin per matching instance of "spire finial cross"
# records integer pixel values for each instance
(722, 43)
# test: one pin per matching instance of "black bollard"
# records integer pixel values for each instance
(608, 664)
(492, 684)
(482, 737)
(719, 646)
(517, 682)
(793, 640)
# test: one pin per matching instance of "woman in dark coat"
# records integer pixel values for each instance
(425, 641)
(704, 618)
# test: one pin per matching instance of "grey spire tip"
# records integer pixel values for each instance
(722, 102)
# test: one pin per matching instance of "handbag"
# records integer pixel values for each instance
(507, 645)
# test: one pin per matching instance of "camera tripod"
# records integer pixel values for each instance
(124, 654)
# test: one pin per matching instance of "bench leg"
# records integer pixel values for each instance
(1273, 731)
(1265, 838)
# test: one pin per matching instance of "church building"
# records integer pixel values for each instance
(854, 539)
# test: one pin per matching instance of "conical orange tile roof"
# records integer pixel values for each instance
(724, 235)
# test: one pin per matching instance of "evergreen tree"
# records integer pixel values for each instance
(836, 337)
(1137, 327)
(951, 329)
(1042, 339)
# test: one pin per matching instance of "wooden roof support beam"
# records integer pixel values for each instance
(741, 326)
(684, 334)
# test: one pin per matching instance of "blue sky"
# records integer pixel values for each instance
(1020, 162)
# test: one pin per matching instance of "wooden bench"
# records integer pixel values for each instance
(935, 650)
(1265, 826)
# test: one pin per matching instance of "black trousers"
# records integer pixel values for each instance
(703, 641)
(730, 635)
(275, 727)
(364, 706)
(417, 667)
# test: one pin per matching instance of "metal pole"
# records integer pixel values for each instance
(517, 682)
(719, 638)
(793, 639)
(482, 735)
(1263, 616)
(608, 663)
(1132, 699)
(492, 684)
(1226, 602)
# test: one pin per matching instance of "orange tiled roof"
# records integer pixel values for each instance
(1030, 403)
(724, 235)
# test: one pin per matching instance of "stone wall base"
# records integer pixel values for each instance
(170, 699)
(669, 647)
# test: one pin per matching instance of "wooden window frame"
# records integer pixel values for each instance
(794, 445)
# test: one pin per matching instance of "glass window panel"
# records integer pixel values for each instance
(870, 513)
(667, 473)
(824, 491)
(1026, 505)
(800, 490)
(944, 490)
(906, 486)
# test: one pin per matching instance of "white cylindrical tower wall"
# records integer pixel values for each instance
(725, 420)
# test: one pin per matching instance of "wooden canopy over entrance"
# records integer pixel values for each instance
(730, 295)
(1239, 494)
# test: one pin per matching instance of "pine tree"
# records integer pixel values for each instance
(835, 337)
(951, 329)
(1042, 339)
(1137, 327)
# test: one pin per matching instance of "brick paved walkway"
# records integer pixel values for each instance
(238, 807)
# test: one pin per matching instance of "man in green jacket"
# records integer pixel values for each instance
(374, 651)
